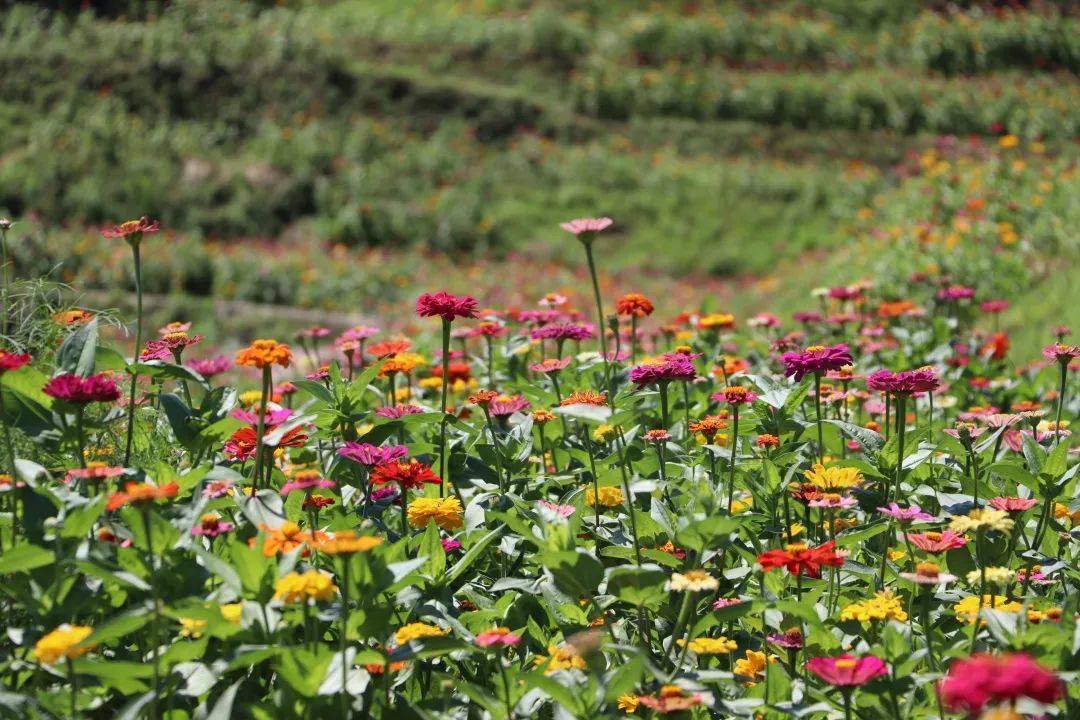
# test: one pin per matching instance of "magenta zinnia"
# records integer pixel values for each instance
(816, 359)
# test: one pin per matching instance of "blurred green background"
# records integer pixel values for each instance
(336, 157)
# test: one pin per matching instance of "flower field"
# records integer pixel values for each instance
(552, 511)
(491, 359)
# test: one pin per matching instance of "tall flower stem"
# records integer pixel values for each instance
(73, 681)
(4, 277)
(924, 617)
(599, 314)
(135, 244)
(846, 693)
(81, 435)
(442, 422)
(8, 444)
(817, 412)
(155, 623)
(628, 493)
(1061, 400)
(633, 339)
(266, 381)
(595, 483)
(901, 426)
(731, 460)
(663, 387)
(344, 632)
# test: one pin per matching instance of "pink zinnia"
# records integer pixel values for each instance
(937, 542)
(817, 359)
(1063, 354)
(668, 371)
(564, 331)
(807, 317)
(372, 455)
(448, 307)
(140, 227)
(657, 436)
(956, 292)
(905, 515)
(993, 307)
(906, 382)
(399, 411)
(306, 482)
(550, 366)
(211, 526)
(210, 367)
(1013, 504)
(980, 680)
(12, 361)
(587, 228)
(505, 406)
(546, 507)
(314, 332)
(450, 544)
(847, 670)
(498, 636)
(71, 388)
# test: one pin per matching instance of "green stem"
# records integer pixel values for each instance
(599, 313)
(443, 465)
(138, 344)
(817, 412)
(344, 631)
(155, 641)
(266, 380)
(731, 462)
(1061, 401)
(81, 435)
(663, 403)
(901, 426)
(8, 444)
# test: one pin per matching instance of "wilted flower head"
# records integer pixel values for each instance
(132, 230)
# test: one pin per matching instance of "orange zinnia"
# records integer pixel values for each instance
(141, 493)
(264, 353)
(585, 397)
(287, 537)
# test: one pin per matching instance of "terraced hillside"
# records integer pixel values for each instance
(729, 140)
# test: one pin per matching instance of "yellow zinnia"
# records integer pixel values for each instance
(309, 587)
(833, 478)
(63, 642)
(446, 512)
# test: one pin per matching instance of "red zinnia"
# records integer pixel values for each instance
(443, 304)
(12, 361)
(71, 388)
(410, 474)
(133, 229)
(802, 560)
(973, 683)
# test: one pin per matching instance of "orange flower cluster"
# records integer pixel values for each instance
(264, 354)
(140, 494)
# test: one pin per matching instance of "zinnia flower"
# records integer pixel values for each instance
(905, 515)
(372, 455)
(587, 228)
(635, 305)
(63, 643)
(418, 631)
(980, 680)
(663, 372)
(132, 230)
(847, 670)
(497, 637)
(448, 307)
(928, 573)
(12, 361)
(141, 494)
(937, 542)
(410, 474)
(816, 359)
(692, 581)
(346, 542)
(1013, 504)
(671, 699)
(306, 480)
(309, 588)
(210, 525)
(264, 354)
(444, 512)
(75, 390)
(802, 560)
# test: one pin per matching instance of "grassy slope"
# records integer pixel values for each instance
(693, 195)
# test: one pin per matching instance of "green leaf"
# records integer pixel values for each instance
(78, 351)
(180, 419)
(119, 626)
(317, 390)
(23, 558)
(708, 533)
(78, 522)
(472, 554)
(431, 547)
(869, 439)
(1015, 473)
(638, 586)
(577, 573)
